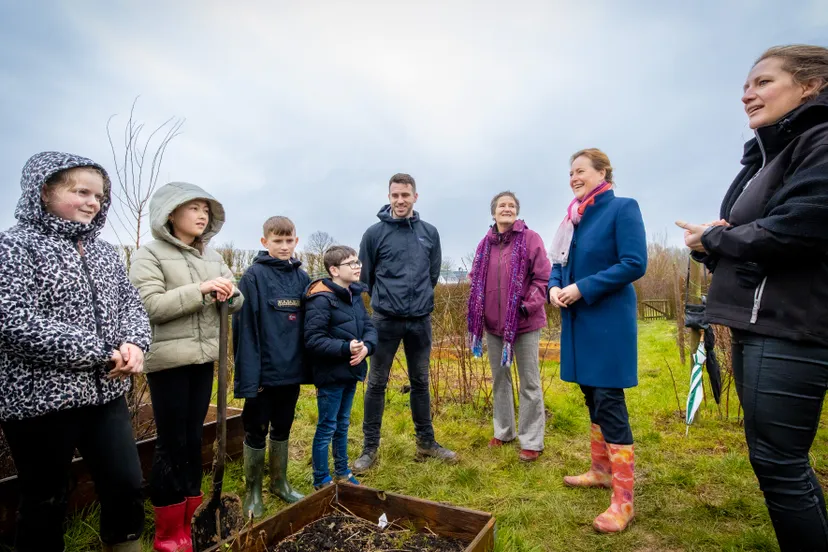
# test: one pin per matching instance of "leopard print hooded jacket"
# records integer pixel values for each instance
(61, 312)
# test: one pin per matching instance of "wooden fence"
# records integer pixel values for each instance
(655, 309)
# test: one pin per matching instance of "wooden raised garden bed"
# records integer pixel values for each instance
(475, 529)
(81, 487)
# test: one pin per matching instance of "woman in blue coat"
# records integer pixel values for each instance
(599, 250)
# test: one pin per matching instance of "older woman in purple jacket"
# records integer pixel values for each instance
(506, 301)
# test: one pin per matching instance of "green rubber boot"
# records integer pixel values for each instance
(253, 474)
(278, 473)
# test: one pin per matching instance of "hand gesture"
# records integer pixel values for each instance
(569, 295)
(693, 235)
(133, 357)
(360, 356)
(222, 286)
(116, 364)
(554, 297)
(356, 346)
(128, 360)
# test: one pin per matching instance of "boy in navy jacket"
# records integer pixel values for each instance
(339, 336)
(268, 345)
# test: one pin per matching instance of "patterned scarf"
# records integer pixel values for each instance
(559, 250)
(517, 272)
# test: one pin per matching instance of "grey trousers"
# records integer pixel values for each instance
(532, 419)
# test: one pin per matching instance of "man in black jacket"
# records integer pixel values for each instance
(401, 260)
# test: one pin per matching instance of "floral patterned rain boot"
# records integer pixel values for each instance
(600, 473)
(621, 511)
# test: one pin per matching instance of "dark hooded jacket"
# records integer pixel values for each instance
(65, 304)
(401, 261)
(334, 316)
(770, 267)
(267, 332)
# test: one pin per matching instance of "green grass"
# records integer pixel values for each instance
(693, 492)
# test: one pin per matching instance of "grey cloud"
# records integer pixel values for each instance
(307, 109)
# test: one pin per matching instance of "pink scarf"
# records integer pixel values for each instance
(559, 250)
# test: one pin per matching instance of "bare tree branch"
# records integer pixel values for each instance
(314, 252)
(134, 186)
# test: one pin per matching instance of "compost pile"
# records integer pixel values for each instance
(344, 533)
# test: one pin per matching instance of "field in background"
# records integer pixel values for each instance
(694, 492)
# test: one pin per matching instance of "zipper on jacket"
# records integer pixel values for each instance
(752, 178)
(760, 289)
(98, 330)
(499, 292)
(757, 300)
(411, 271)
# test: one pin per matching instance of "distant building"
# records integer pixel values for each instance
(453, 276)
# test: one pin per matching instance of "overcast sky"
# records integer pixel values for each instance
(305, 109)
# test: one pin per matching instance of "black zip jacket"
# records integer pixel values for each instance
(401, 264)
(770, 268)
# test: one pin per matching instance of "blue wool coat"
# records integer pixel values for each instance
(599, 333)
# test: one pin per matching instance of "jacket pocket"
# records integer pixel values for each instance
(757, 300)
(784, 300)
(185, 327)
(289, 313)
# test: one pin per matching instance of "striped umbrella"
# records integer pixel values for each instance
(696, 394)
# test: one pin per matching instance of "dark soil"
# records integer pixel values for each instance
(230, 520)
(343, 533)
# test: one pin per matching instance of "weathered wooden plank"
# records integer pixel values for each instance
(472, 526)
(485, 540)
(442, 519)
(275, 528)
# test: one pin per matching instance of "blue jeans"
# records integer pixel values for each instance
(782, 386)
(415, 334)
(334, 403)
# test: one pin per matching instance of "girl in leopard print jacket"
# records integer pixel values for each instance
(72, 329)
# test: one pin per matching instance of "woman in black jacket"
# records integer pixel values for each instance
(769, 257)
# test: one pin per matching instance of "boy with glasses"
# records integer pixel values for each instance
(339, 336)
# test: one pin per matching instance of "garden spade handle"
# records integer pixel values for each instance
(221, 402)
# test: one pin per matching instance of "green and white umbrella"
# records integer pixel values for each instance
(696, 394)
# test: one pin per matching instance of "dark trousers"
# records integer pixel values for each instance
(781, 385)
(180, 400)
(608, 408)
(415, 334)
(43, 448)
(274, 407)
